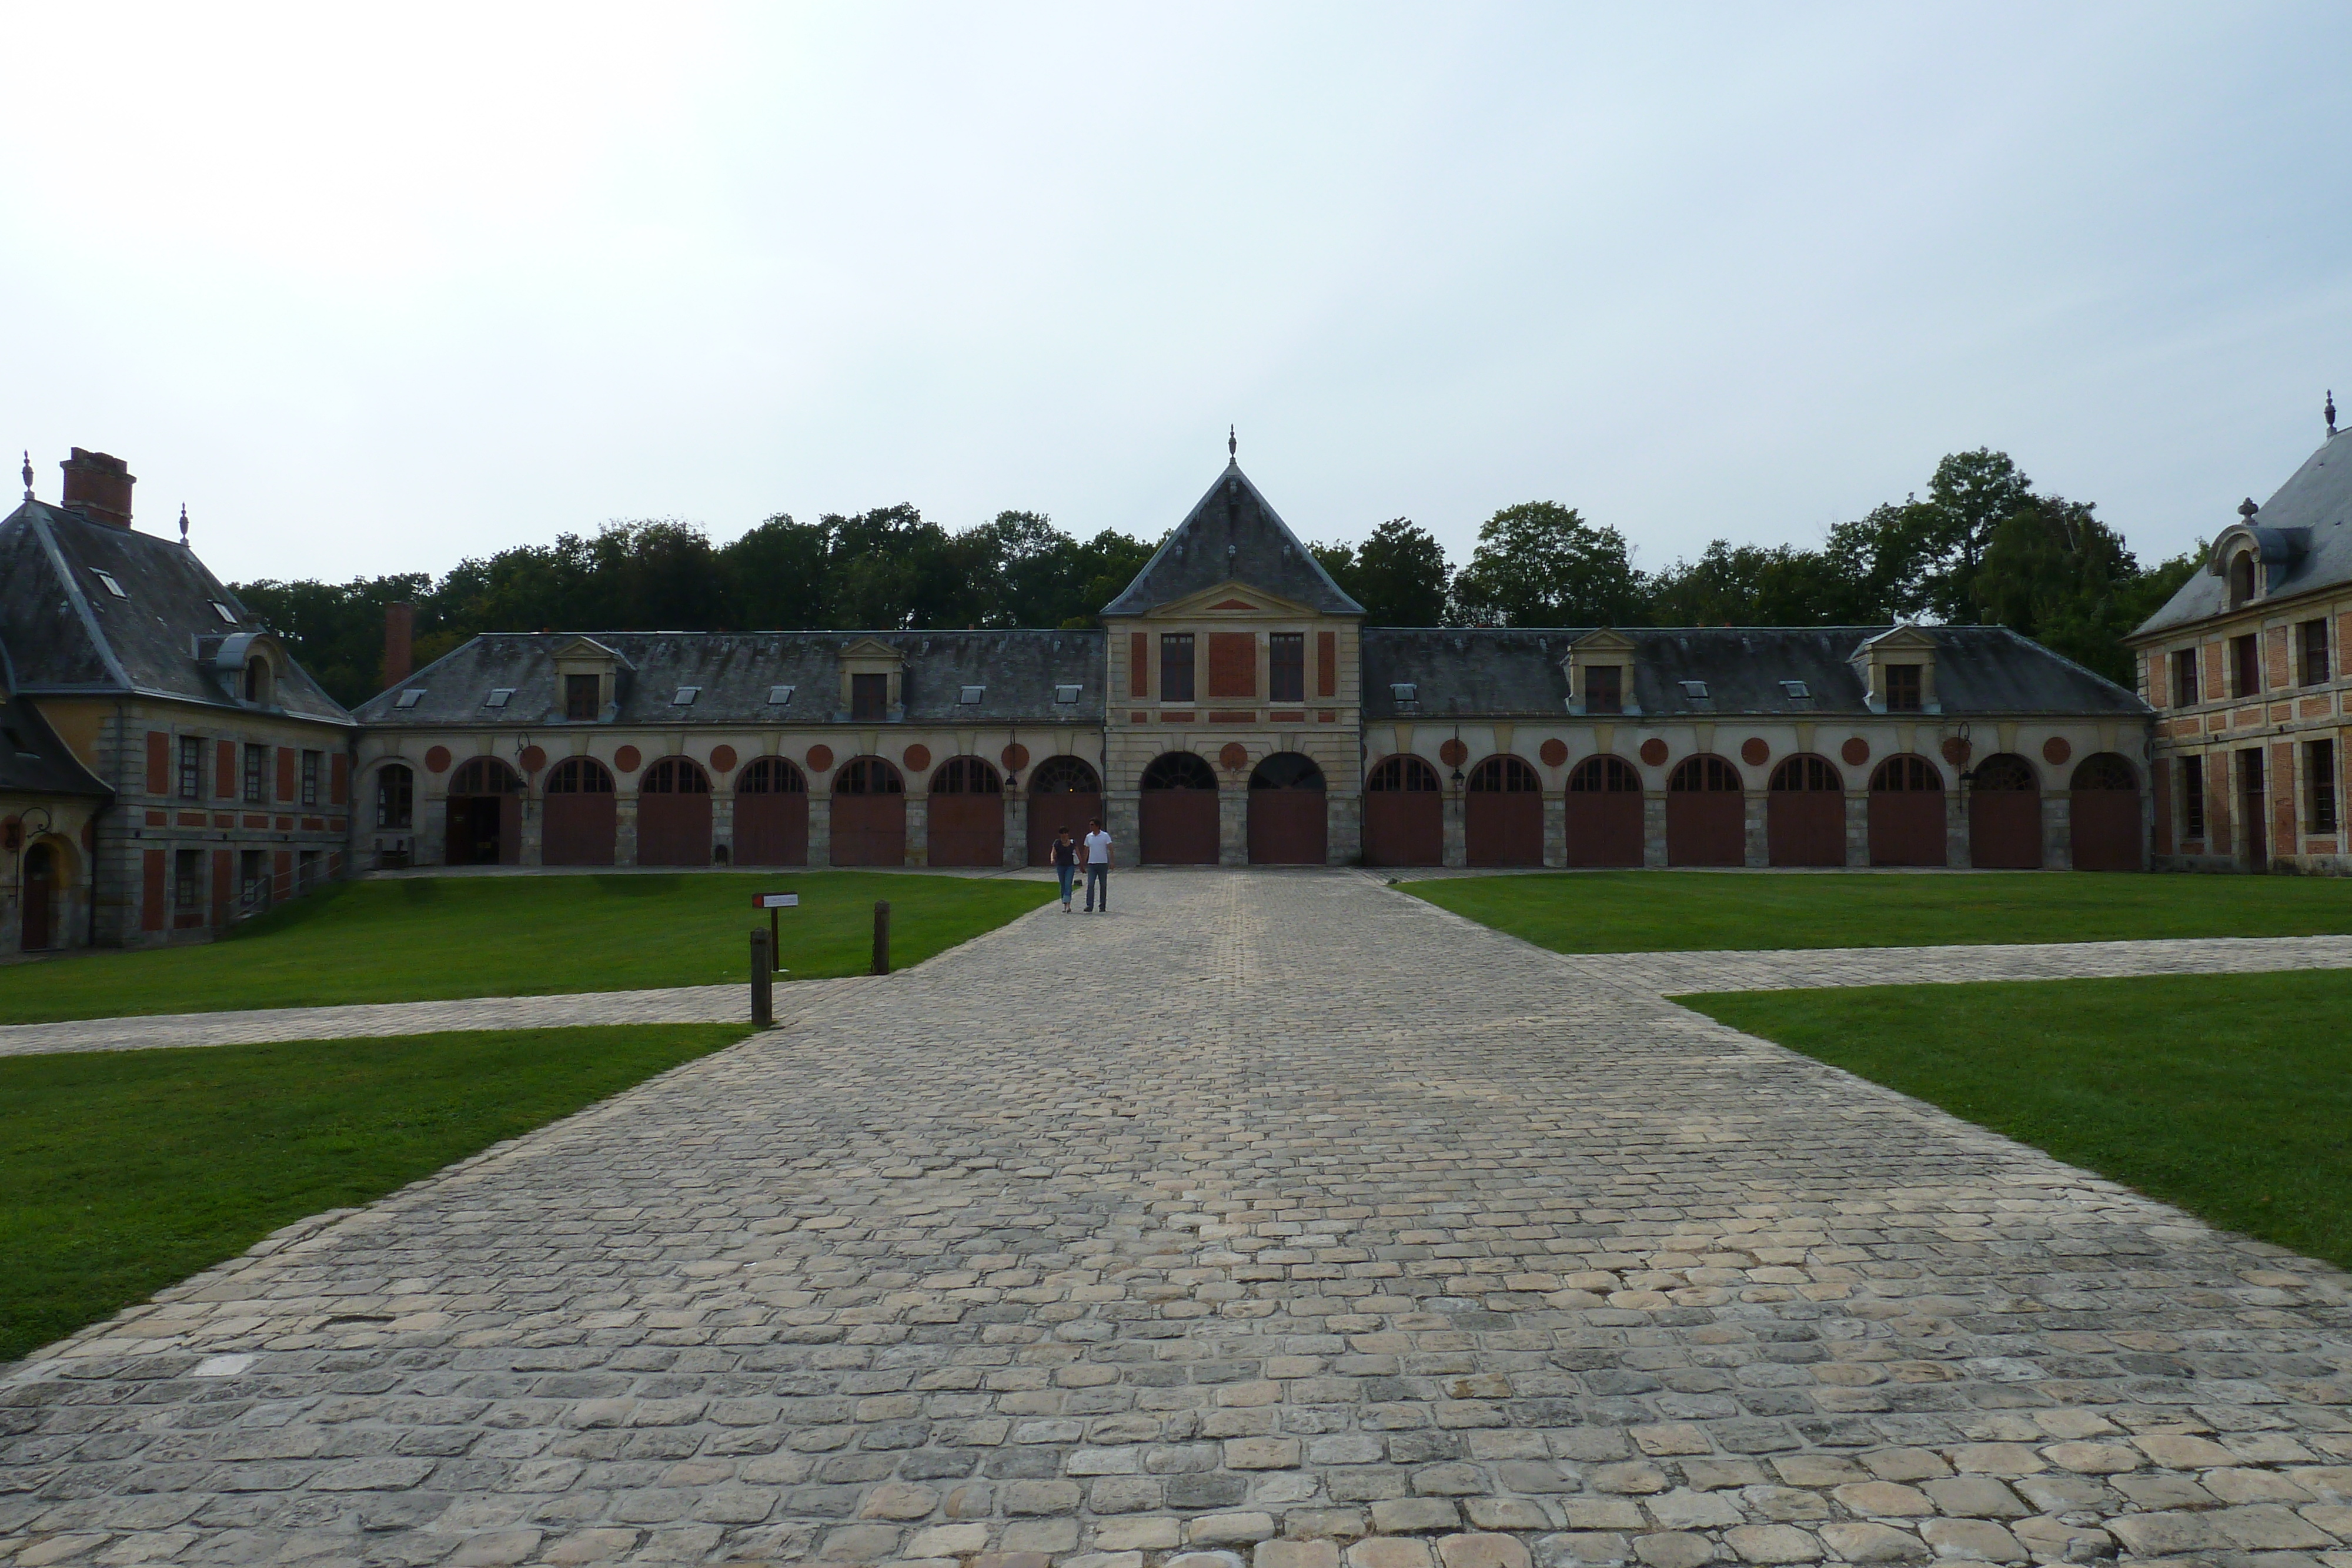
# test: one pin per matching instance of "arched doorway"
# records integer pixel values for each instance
(1906, 813)
(1706, 813)
(1804, 813)
(2005, 814)
(966, 826)
(1178, 812)
(770, 813)
(39, 873)
(1288, 822)
(674, 813)
(1604, 813)
(483, 822)
(1404, 813)
(870, 813)
(1064, 793)
(579, 818)
(2104, 804)
(1502, 813)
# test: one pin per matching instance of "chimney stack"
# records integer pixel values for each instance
(399, 628)
(98, 487)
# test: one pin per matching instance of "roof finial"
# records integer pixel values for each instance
(2331, 411)
(28, 475)
(1233, 451)
(2246, 508)
(183, 524)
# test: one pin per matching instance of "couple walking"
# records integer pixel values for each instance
(1097, 849)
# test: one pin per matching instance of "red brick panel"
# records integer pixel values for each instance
(282, 878)
(2217, 670)
(1233, 663)
(151, 892)
(159, 763)
(2284, 799)
(2276, 675)
(1138, 664)
(2221, 804)
(224, 771)
(1327, 663)
(289, 765)
(338, 780)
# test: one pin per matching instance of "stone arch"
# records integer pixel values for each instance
(1404, 813)
(771, 813)
(1501, 812)
(1804, 813)
(2104, 814)
(1064, 793)
(966, 824)
(870, 813)
(579, 814)
(482, 814)
(1177, 813)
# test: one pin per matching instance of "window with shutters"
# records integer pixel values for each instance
(869, 698)
(256, 769)
(2312, 637)
(191, 767)
(580, 696)
(1605, 689)
(1902, 688)
(1176, 666)
(2185, 690)
(1286, 667)
(2319, 784)
(310, 760)
(187, 871)
(2245, 666)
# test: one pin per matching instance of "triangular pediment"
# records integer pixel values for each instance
(1231, 600)
(1905, 637)
(1608, 640)
(587, 650)
(873, 649)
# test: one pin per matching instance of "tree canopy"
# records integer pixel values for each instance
(1981, 546)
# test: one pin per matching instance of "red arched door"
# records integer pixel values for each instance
(674, 813)
(482, 822)
(1289, 825)
(1064, 793)
(1604, 813)
(2005, 814)
(870, 813)
(1804, 814)
(966, 824)
(1906, 813)
(1405, 814)
(1706, 813)
(580, 823)
(1502, 813)
(2105, 809)
(770, 813)
(1178, 811)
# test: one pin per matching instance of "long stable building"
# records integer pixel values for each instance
(1236, 710)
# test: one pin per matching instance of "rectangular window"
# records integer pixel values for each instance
(257, 774)
(191, 767)
(394, 788)
(2185, 690)
(579, 695)
(2313, 640)
(1176, 666)
(869, 698)
(1903, 686)
(187, 879)
(253, 879)
(2245, 666)
(2193, 796)
(310, 760)
(1286, 667)
(2319, 774)
(1605, 689)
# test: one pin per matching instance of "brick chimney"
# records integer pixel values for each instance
(399, 632)
(98, 487)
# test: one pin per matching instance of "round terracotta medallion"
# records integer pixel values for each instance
(1453, 754)
(2054, 750)
(722, 759)
(532, 758)
(1755, 751)
(918, 756)
(1016, 757)
(1554, 752)
(1856, 751)
(1956, 751)
(820, 759)
(1654, 752)
(627, 758)
(1235, 756)
(438, 760)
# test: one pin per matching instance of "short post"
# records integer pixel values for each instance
(881, 936)
(763, 981)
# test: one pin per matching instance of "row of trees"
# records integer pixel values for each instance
(1981, 546)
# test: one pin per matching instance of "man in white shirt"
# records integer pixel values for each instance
(1097, 865)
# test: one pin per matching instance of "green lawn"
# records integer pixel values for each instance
(421, 938)
(2228, 1095)
(121, 1172)
(1653, 910)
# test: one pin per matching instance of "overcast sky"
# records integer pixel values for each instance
(374, 292)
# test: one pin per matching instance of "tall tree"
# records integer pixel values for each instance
(1399, 574)
(1758, 585)
(1541, 564)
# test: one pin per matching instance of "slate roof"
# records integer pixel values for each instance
(1232, 534)
(2301, 532)
(1467, 672)
(33, 760)
(1018, 672)
(70, 636)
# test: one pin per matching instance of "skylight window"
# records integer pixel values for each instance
(1796, 691)
(971, 694)
(224, 612)
(685, 696)
(781, 697)
(112, 586)
(410, 697)
(1404, 691)
(500, 696)
(1695, 690)
(1066, 694)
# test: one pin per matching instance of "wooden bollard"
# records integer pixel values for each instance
(763, 980)
(881, 936)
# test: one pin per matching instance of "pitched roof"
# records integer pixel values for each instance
(33, 760)
(1018, 674)
(2301, 534)
(71, 635)
(1233, 536)
(1466, 671)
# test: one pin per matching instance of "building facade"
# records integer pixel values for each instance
(2247, 668)
(1233, 709)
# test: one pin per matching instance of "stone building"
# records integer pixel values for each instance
(2246, 665)
(1234, 709)
(174, 769)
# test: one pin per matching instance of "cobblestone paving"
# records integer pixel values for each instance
(1275, 1219)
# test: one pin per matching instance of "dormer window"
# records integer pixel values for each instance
(1904, 688)
(224, 611)
(582, 698)
(970, 694)
(685, 696)
(410, 697)
(106, 578)
(1605, 689)
(500, 696)
(1068, 694)
(1404, 691)
(2241, 578)
(256, 680)
(781, 697)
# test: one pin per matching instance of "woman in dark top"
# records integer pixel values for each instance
(1065, 856)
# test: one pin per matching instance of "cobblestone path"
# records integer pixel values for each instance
(1276, 1219)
